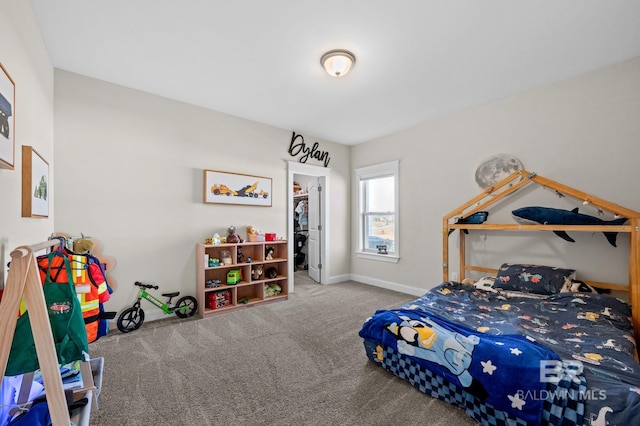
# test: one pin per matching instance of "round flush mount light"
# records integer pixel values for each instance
(337, 62)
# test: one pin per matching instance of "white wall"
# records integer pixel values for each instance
(583, 132)
(130, 173)
(24, 56)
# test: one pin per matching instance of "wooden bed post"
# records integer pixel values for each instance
(24, 281)
(634, 276)
(445, 250)
(462, 256)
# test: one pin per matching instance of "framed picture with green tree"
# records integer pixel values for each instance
(35, 184)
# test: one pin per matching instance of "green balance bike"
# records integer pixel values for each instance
(132, 318)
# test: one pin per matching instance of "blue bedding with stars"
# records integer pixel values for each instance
(496, 369)
(510, 352)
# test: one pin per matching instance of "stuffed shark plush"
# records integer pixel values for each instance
(550, 216)
(476, 218)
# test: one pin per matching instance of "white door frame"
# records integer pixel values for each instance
(297, 168)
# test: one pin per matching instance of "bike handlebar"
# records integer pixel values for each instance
(139, 284)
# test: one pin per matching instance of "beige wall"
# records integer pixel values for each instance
(583, 132)
(130, 173)
(24, 56)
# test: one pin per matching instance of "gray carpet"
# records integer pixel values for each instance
(298, 362)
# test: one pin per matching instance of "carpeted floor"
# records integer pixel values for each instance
(298, 362)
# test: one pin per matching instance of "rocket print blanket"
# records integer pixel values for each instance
(510, 350)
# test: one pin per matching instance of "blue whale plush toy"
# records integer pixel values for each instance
(550, 216)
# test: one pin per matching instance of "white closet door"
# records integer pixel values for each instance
(313, 242)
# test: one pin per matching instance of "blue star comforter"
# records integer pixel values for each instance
(514, 358)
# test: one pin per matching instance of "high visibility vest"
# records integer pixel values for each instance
(89, 276)
(87, 294)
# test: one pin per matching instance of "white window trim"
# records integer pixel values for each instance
(391, 258)
(368, 172)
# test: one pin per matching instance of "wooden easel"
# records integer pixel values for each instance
(24, 281)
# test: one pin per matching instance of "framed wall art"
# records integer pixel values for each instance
(35, 184)
(234, 188)
(7, 119)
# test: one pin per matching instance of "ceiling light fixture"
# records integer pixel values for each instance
(337, 62)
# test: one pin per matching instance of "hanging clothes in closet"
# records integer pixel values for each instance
(301, 226)
(302, 212)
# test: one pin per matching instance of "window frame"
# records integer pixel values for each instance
(381, 170)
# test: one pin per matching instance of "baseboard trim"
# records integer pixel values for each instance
(338, 279)
(389, 285)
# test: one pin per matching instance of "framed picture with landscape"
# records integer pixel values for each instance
(234, 188)
(7, 119)
(35, 184)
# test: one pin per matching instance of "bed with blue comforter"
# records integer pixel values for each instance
(507, 357)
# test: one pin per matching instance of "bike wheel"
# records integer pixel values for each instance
(130, 319)
(186, 307)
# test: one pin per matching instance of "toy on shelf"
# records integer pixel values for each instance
(272, 290)
(234, 276)
(256, 273)
(232, 236)
(272, 273)
(218, 299)
(225, 256)
(254, 235)
(268, 252)
(212, 283)
(216, 239)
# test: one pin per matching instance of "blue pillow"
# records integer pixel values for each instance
(535, 279)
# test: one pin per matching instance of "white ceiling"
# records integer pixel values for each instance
(416, 59)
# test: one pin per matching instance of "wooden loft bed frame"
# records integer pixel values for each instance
(523, 178)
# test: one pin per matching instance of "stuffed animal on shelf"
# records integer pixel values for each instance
(268, 253)
(272, 290)
(257, 272)
(272, 273)
(232, 236)
(254, 234)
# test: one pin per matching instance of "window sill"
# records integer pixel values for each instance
(391, 258)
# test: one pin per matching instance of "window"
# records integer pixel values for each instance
(378, 211)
